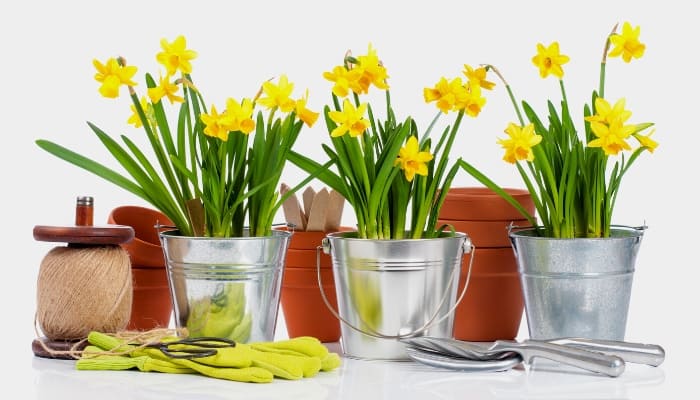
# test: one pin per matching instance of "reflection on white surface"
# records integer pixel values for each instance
(355, 379)
(59, 379)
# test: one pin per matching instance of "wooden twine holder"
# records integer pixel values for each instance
(82, 235)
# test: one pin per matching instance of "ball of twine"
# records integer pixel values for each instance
(81, 289)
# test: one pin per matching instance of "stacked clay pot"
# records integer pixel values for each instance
(152, 305)
(305, 312)
(493, 305)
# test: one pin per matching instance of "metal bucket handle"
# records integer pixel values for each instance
(468, 247)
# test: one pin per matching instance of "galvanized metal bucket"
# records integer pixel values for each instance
(392, 289)
(577, 287)
(226, 287)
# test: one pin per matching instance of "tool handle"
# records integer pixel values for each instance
(638, 353)
(588, 360)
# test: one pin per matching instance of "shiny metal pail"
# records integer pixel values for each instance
(226, 287)
(577, 287)
(389, 289)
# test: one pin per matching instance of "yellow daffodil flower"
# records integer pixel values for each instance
(446, 93)
(479, 76)
(167, 89)
(351, 120)
(307, 116)
(606, 114)
(112, 76)
(373, 72)
(175, 56)
(549, 60)
(337, 76)
(413, 161)
(470, 99)
(611, 138)
(519, 144)
(627, 43)
(240, 115)
(646, 141)
(344, 80)
(278, 95)
(216, 125)
(135, 120)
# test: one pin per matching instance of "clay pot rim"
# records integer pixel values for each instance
(485, 234)
(309, 240)
(305, 258)
(307, 278)
(474, 221)
(482, 204)
(471, 191)
(143, 253)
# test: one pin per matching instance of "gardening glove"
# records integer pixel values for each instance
(289, 359)
(116, 363)
(258, 362)
(303, 346)
(239, 368)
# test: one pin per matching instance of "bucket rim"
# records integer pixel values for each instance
(175, 233)
(624, 232)
(349, 236)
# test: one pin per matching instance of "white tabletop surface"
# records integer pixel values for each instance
(356, 379)
(42, 378)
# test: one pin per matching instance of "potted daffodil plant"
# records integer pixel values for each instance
(395, 177)
(213, 171)
(204, 171)
(573, 171)
(574, 180)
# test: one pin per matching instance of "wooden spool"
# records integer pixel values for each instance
(83, 234)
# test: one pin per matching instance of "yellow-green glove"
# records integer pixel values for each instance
(303, 346)
(152, 359)
(289, 359)
(256, 362)
(113, 363)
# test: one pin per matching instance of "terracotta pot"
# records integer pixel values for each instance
(152, 305)
(493, 306)
(305, 312)
(305, 258)
(482, 204)
(485, 233)
(309, 240)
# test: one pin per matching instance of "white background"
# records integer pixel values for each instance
(48, 92)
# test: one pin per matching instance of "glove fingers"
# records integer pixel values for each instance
(302, 345)
(107, 342)
(286, 367)
(331, 362)
(249, 374)
(108, 363)
(152, 364)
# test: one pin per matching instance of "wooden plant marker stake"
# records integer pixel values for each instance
(292, 209)
(195, 210)
(317, 214)
(335, 211)
(308, 198)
